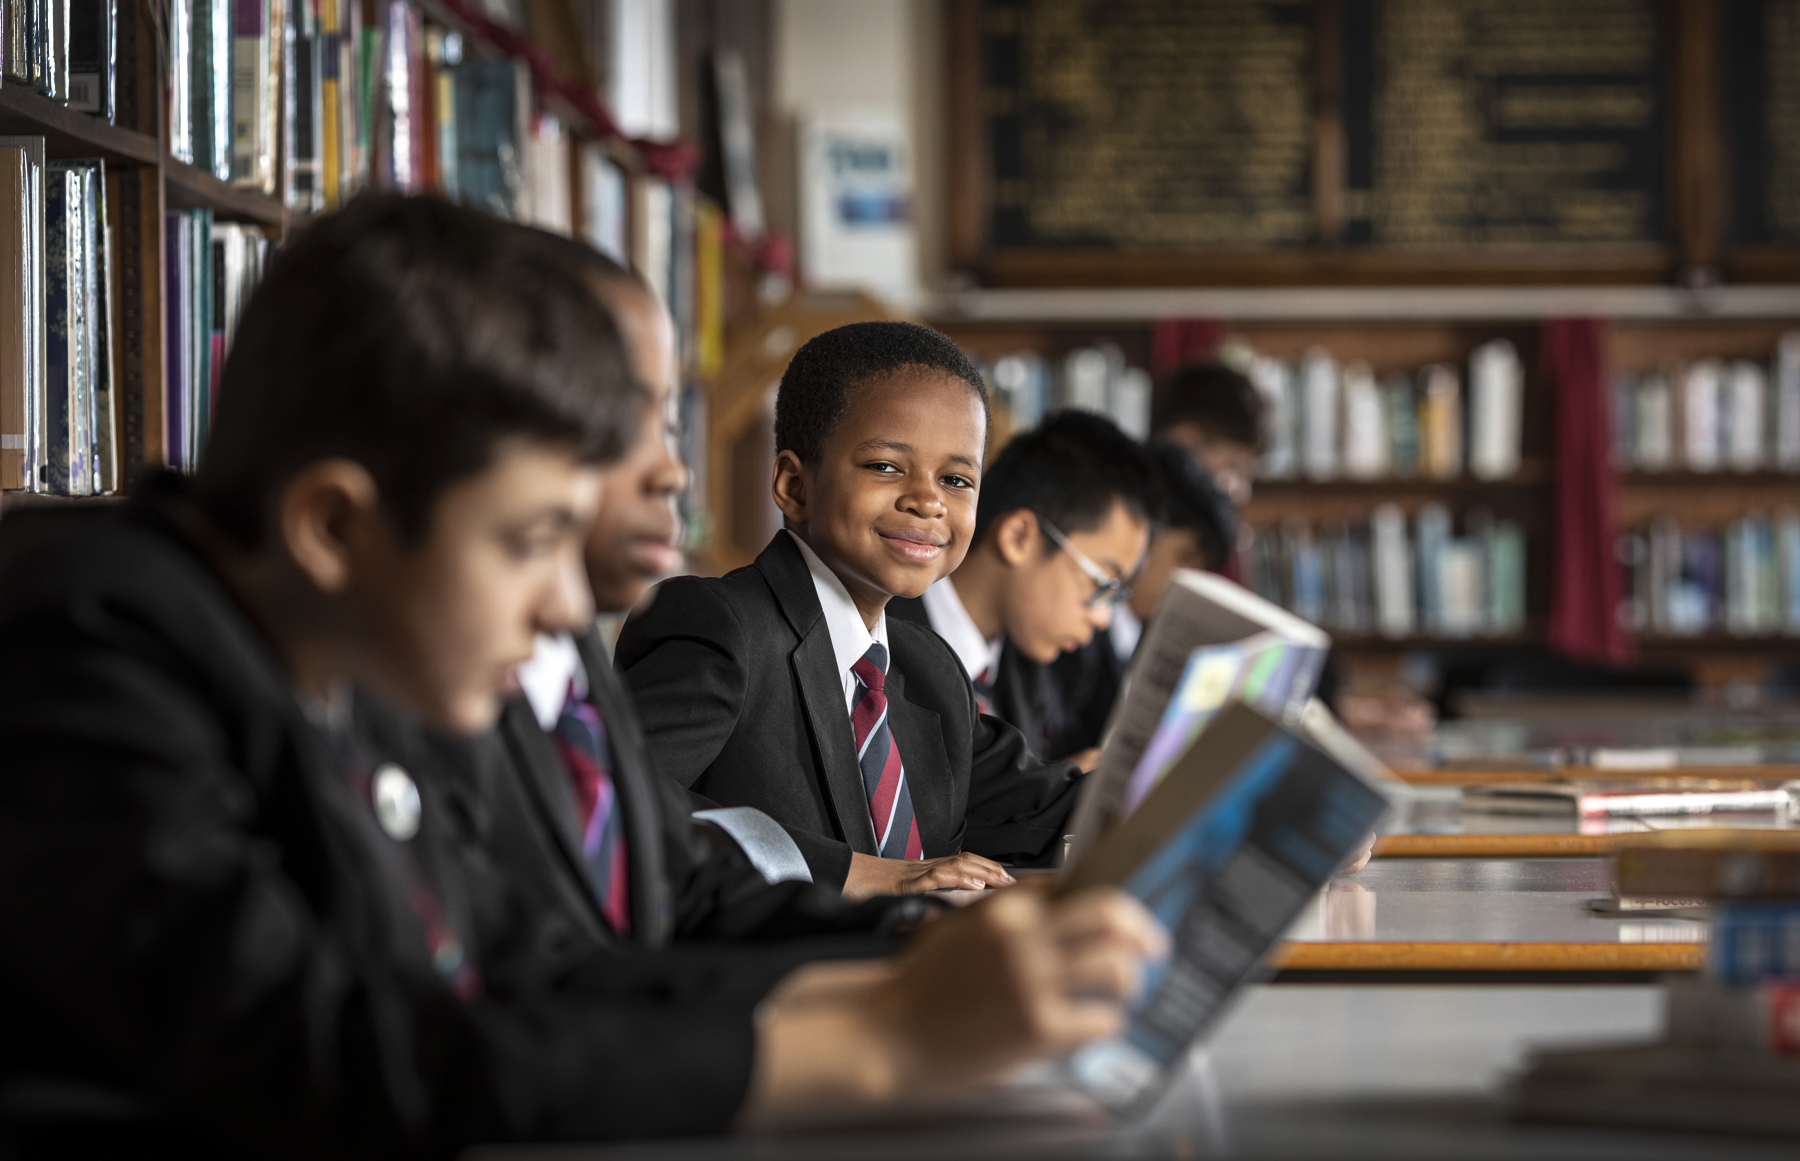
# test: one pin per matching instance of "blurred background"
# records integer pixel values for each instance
(1513, 279)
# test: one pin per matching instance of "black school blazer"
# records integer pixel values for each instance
(741, 702)
(211, 938)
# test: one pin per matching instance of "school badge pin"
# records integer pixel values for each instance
(397, 806)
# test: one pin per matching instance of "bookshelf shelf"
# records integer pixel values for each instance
(187, 185)
(1528, 476)
(1724, 478)
(70, 134)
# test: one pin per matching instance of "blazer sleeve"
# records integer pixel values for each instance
(1019, 805)
(683, 661)
(220, 947)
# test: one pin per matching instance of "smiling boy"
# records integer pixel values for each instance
(785, 686)
(1064, 520)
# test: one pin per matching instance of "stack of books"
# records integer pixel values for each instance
(1730, 1059)
(57, 395)
(1741, 578)
(1711, 415)
(1384, 577)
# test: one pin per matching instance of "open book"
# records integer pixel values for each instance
(1245, 827)
(1210, 641)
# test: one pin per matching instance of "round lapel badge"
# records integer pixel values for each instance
(397, 806)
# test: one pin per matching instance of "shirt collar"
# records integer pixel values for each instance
(850, 638)
(555, 662)
(950, 620)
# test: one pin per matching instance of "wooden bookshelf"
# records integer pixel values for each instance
(68, 134)
(189, 186)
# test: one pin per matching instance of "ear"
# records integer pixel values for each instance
(327, 512)
(790, 487)
(1016, 537)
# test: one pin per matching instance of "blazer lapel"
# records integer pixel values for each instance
(821, 688)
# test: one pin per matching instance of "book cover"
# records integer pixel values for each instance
(1700, 415)
(488, 142)
(1655, 424)
(93, 41)
(1319, 415)
(252, 151)
(16, 308)
(1199, 610)
(34, 469)
(1393, 572)
(1746, 392)
(176, 403)
(1496, 396)
(1441, 417)
(1401, 401)
(1244, 830)
(1274, 382)
(1787, 402)
(1753, 941)
(1710, 864)
(1365, 425)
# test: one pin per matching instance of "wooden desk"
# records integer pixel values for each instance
(1481, 915)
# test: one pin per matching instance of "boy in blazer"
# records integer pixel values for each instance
(1064, 519)
(245, 929)
(784, 686)
(679, 879)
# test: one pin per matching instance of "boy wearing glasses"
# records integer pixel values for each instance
(1063, 522)
(785, 686)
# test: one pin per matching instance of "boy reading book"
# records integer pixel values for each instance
(1061, 527)
(785, 686)
(240, 931)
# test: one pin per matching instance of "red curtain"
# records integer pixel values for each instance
(1585, 583)
(1183, 340)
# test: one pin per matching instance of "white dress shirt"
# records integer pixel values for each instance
(951, 621)
(554, 663)
(850, 638)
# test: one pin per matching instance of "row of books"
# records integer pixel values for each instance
(65, 50)
(1711, 415)
(1741, 578)
(210, 269)
(1096, 378)
(56, 325)
(1327, 420)
(1380, 576)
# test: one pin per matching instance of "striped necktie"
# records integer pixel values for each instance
(984, 690)
(581, 738)
(884, 775)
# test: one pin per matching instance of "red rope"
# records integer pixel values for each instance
(673, 160)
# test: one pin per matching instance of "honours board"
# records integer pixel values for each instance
(1762, 45)
(1196, 125)
(1148, 123)
(1489, 122)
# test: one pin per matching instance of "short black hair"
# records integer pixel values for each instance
(1221, 402)
(413, 336)
(823, 373)
(1071, 470)
(1192, 500)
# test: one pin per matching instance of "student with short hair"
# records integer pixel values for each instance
(1064, 520)
(1216, 414)
(607, 851)
(1197, 531)
(240, 929)
(786, 687)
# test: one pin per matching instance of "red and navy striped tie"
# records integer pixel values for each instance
(587, 752)
(984, 690)
(884, 775)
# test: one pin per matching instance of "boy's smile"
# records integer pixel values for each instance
(890, 506)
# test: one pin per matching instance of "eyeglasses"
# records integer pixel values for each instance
(1109, 590)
